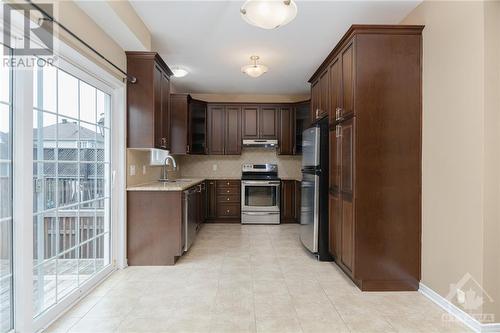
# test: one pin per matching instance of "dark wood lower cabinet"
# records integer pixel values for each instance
(154, 221)
(223, 201)
(288, 201)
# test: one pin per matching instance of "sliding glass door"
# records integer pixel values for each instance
(71, 184)
(6, 268)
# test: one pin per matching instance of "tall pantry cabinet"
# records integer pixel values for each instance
(374, 108)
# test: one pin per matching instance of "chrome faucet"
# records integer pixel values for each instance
(164, 177)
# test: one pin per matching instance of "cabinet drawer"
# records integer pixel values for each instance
(228, 191)
(228, 183)
(228, 210)
(228, 198)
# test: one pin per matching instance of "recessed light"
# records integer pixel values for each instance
(179, 72)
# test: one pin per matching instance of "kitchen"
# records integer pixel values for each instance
(242, 171)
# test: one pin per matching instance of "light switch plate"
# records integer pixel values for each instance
(214, 167)
(132, 170)
(143, 169)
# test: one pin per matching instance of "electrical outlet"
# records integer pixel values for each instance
(214, 167)
(132, 170)
(460, 296)
(143, 169)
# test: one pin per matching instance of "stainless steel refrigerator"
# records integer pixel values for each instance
(314, 203)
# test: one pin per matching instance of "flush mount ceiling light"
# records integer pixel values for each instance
(254, 70)
(179, 72)
(268, 14)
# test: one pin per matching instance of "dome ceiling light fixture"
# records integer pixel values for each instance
(254, 70)
(179, 72)
(268, 14)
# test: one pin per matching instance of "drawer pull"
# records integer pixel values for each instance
(227, 210)
(227, 199)
(227, 191)
(227, 183)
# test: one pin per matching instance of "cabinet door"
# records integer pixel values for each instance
(347, 156)
(165, 109)
(348, 80)
(335, 159)
(268, 122)
(287, 208)
(287, 131)
(324, 87)
(232, 141)
(211, 199)
(347, 138)
(216, 129)
(250, 122)
(157, 116)
(315, 99)
(298, 196)
(335, 225)
(335, 92)
(197, 128)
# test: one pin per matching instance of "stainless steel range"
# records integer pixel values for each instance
(260, 194)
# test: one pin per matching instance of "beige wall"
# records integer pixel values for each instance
(75, 19)
(460, 188)
(492, 156)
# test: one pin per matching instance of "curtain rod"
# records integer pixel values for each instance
(129, 78)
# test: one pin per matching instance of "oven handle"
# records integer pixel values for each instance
(247, 182)
(260, 213)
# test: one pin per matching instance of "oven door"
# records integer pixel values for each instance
(260, 196)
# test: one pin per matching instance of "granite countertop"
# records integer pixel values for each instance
(179, 185)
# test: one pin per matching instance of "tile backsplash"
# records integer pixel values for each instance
(211, 166)
(215, 166)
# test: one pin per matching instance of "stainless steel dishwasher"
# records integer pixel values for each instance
(190, 222)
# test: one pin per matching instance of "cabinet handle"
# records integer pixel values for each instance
(227, 210)
(227, 183)
(338, 131)
(227, 199)
(187, 149)
(317, 113)
(227, 191)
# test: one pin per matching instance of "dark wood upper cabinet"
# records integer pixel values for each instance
(232, 141)
(250, 122)
(188, 125)
(268, 122)
(315, 99)
(287, 131)
(302, 121)
(374, 94)
(348, 80)
(148, 100)
(335, 91)
(324, 102)
(216, 132)
(224, 129)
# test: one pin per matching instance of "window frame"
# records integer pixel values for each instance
(78, 65)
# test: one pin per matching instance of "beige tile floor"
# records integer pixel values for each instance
(247, 279)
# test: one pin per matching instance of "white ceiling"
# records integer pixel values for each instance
(210, 39)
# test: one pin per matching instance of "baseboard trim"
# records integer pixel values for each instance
(458, 313)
